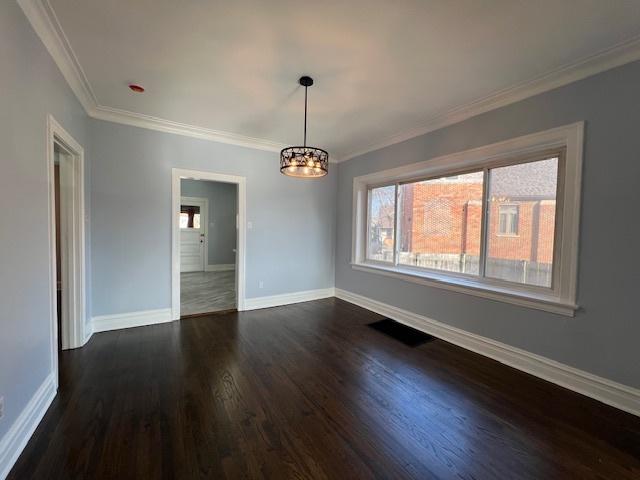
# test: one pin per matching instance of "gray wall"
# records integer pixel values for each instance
(603, 336)
(290, 247)
(222, 217)
(31, 87)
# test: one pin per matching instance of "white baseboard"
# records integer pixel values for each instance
(220, 267)
(104, 323)
(14, 441)
(88, 332)
(606, 391)
(287, 298)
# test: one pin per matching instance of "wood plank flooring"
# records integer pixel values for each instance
(308, 391)
(205, 292)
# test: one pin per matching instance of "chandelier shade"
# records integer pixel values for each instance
(304, 161)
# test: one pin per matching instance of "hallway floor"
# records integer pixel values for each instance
(206, 292)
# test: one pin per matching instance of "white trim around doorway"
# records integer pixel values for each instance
(73, 266)
(178, 174)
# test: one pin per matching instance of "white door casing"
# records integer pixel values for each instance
(72, 212)
(241, 238)
(194, 241)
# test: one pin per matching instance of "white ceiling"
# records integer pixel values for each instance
(381, 68)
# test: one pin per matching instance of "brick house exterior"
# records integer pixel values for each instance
(441, 219)
(444, 216)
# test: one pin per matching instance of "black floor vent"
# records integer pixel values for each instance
(407, 335)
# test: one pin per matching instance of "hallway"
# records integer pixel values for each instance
(206, 292)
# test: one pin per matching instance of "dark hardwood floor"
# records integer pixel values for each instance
(308, 391)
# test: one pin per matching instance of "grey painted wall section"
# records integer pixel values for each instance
(222, 216)
(31, 87)
(290, 246)
(603, 336)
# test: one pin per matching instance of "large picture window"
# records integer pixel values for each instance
(494, 224)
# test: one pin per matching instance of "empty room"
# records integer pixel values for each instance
(319, 240)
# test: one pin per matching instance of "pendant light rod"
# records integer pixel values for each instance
(305, 115)
(306, 82)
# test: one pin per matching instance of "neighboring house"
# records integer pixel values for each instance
(440, 222)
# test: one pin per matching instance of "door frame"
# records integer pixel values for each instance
(178, 174)
(72, 210)
(204, 217)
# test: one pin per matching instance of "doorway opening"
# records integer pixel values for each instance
(208, 212)
(65, 166)
(57, 153)
(208, 243)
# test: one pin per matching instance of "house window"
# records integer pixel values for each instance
(190, 216)
(498, 221)
(508, 220)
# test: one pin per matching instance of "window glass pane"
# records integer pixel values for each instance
(190, 216)
(381, 223)
(508, 219)
(440, 223)
(521, 222)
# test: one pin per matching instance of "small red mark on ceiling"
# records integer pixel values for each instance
(136, 88)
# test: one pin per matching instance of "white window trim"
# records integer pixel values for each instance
(562, 298)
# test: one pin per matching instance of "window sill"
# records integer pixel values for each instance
(471, 286)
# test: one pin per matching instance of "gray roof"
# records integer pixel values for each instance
(534, 179)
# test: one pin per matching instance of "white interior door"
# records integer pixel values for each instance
(193, 226)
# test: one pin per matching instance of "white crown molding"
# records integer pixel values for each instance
(149, 122)
(44, 21)
(620, 54)
(606, 391)
(126, 117)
